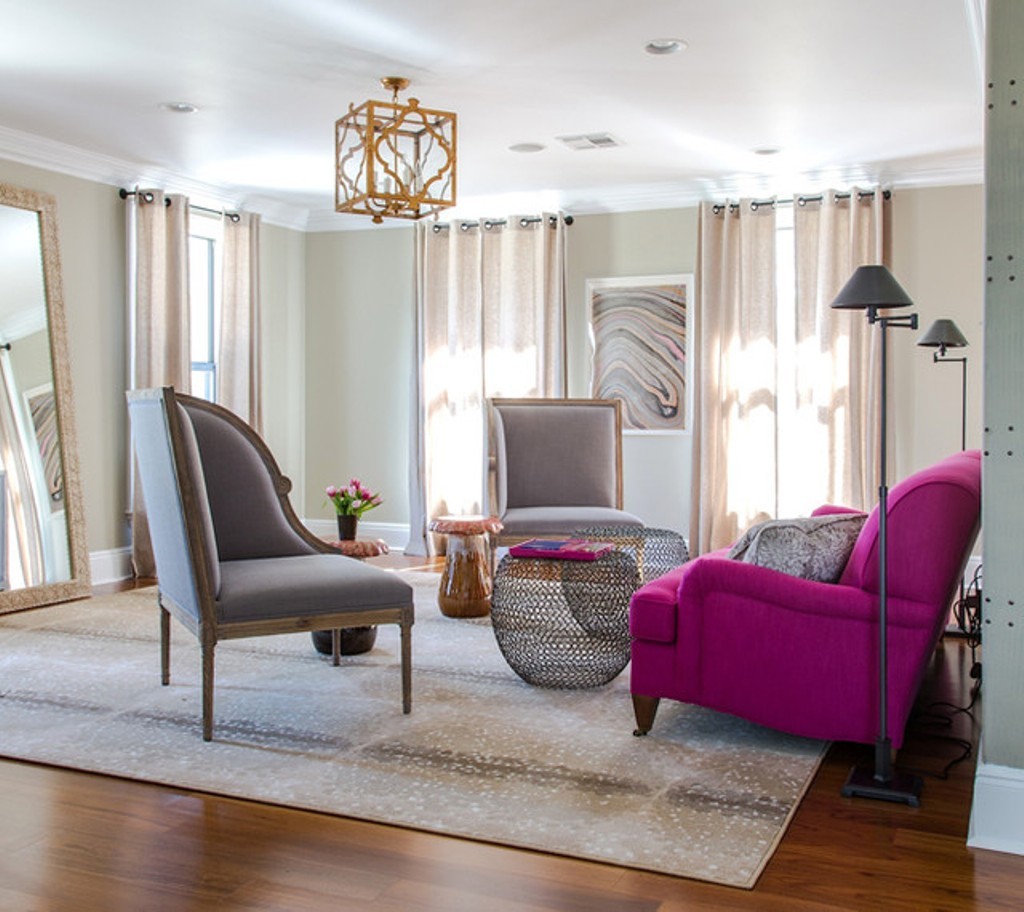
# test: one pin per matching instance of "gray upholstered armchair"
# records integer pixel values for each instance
(557, 466)
(232, 558)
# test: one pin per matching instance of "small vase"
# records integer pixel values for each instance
(347, 527)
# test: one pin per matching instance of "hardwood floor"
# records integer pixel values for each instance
(77, 841)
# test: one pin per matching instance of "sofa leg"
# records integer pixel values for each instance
(645, 709)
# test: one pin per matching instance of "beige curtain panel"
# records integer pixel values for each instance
(157, 226)
(837, 383)
(734, 458)
(786, 399)
(238, 357)
(490, 322)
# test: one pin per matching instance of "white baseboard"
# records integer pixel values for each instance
(110, 566)
(997, 813)
(395, 534)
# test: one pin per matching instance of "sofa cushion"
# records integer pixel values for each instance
(814, 548)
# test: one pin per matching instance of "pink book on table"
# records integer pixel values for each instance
(561, 548)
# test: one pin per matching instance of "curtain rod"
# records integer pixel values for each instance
(488, 224)
(148, 197)
(799, 201)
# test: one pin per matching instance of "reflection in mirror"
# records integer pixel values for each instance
(42, 545)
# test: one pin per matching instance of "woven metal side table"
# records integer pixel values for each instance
(656, 551)
(564, 623)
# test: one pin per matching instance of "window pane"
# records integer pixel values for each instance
(202, 383)
(201, 297)
(203, 302)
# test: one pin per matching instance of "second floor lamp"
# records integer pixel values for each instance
(943, 334)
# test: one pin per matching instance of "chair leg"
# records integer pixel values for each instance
(208, 691)
(406, 628)
(335, 646)
(165, 647)
(645, 709)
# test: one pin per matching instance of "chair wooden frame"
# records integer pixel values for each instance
(206, 627)
(614, 404)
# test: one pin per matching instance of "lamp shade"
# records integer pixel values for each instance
(943, 334)
(871, 286)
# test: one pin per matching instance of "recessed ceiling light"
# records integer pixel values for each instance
(527, 147)
(665, 46)
(180, 107)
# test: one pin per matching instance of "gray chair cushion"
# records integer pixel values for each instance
(281, 587)
(557, 455)
(815, 547)
(562, 520)
(247, 515)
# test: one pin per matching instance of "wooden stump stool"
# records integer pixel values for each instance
(465, 589)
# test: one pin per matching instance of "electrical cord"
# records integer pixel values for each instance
(967, 613)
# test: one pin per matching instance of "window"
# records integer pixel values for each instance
(204, 302)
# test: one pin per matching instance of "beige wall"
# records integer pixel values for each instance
(338, 331)
(938, 256)
(360, 321)
(283, 349)
(360, 336)
(656, 468)
(360, 331)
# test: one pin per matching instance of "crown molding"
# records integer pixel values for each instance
(29, 149)
(956, 169)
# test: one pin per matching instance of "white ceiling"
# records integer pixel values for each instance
(850, 91)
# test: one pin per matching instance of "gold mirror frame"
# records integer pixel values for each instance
(78, 585)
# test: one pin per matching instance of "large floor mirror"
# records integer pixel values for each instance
(43, 554)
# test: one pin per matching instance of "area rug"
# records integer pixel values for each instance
(483, 754)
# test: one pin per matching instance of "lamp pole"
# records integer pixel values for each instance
(873, 288)
(884, 782)
(940, 358)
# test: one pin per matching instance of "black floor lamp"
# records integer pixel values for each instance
(943, 334)
(873, 288)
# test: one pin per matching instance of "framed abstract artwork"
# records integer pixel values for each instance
(640, 329)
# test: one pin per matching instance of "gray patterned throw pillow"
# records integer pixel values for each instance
(815, 547)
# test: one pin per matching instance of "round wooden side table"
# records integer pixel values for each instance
(465, 589)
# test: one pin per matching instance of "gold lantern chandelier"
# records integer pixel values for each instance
(394, 160)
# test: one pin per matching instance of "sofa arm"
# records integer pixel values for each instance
(707, 580)
(786, 652)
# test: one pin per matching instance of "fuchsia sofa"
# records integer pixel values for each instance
(801, 656)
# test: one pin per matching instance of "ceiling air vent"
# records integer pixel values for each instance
(590, 141)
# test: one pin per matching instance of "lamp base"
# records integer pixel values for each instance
(902, 788)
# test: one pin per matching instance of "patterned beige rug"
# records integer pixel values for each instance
(483, 755)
